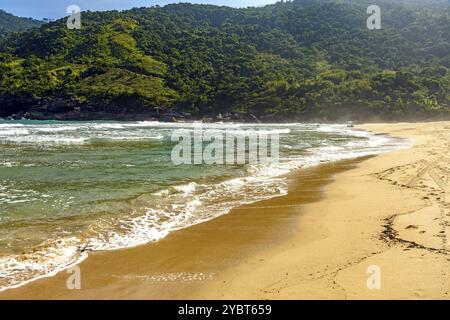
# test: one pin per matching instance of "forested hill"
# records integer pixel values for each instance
(299, 60)
(10, 23)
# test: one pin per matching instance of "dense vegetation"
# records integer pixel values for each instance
(294, 60)
(10, 24)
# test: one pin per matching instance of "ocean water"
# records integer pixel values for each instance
(67, 188)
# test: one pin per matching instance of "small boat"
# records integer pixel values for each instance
(350, 124)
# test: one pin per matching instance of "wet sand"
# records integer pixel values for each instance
(337, 220)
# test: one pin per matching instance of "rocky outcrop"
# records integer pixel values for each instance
(66, 108)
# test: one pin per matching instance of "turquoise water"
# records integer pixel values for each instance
(67, 188)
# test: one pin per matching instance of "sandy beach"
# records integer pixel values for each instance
(391, 211)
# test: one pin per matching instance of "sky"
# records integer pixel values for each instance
(52, 9)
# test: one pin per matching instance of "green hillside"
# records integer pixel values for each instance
(10, 24)
(294, 60)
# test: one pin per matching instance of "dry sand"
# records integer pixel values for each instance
(391, 211)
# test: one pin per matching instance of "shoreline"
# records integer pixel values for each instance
(244, 119)
(203, 236)
(317, 244)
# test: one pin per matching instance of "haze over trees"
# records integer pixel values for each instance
(298, 60)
